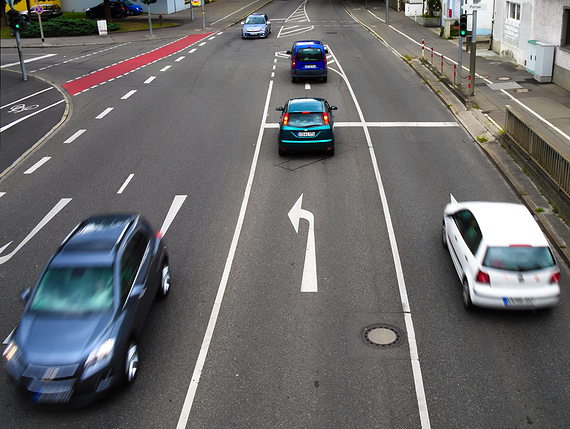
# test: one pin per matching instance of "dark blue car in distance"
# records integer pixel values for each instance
(78, 334)
(308, 60)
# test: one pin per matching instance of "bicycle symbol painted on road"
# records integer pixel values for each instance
(19, 108)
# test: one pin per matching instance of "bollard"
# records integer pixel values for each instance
(454, 73)
(441, 63)
(432, 55)
(423, 47)
(469, 84)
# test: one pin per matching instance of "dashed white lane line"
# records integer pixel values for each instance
(202, 44)
(17, 121)
(165, 68)
(37, 165)
(150, 79)
(274, 67)
(104, 113)
(307, 86)
(2, 194)
(122, 188)
(25, 98)
(193, 387)
(74, 136)
(212, 38)
(191, 51)
(172, 211)
(29, 60)
(128, 94)
(179, 58)
(275, 60)
(272, 74)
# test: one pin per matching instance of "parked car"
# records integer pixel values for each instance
(306, 124)
(118, 10)
(501, 256)
(132, 9)
(256, 25)
(50, 10)
(79, 331)
(308, 60)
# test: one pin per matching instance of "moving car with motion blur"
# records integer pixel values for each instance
(308, 60)
(132, 9)
(118, 10)
(256, 25)
(306, 125)
(79, 332)
(501, 256)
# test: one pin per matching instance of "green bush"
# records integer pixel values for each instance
(65, 27)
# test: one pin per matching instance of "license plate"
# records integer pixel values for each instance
(53, 397)
(306, 134)
(311, 66)
(518, 302)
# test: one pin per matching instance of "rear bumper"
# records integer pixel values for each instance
(509, 299)
(306, 146)
(309, 73)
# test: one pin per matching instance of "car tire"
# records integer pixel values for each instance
(324, 79)
(131, 363)
(467, 303)
(164, 287)
(280, 151)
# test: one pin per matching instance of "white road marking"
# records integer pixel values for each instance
(1, 195)
(235, 11)
(104, 113)
(414, 357)
(272, 74)
(122, 188)
(172, 211)
(274, 67)
(150, 79)
(37, 165)
(29, 60)
(309, 282)
(165, 68)
(29, 96)
(128, 94)
(307, 86)
(17, 121)
(191, 51)
(55, 210)
(74, 136)
(179, 58)
(185, 413)
(202, 44)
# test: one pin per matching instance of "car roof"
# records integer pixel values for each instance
(306, 104)
(505, 224)
(99, 233)
(307, 42)
(256, 14)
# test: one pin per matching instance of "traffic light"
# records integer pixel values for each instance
(17, 21)
(463, 24)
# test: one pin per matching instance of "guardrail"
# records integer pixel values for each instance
(544, 149)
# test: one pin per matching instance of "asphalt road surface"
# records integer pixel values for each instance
(237, 343)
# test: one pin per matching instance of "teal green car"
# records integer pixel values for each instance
(306, 125)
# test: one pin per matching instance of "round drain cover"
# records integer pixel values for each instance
(504, 78)
(381, 335)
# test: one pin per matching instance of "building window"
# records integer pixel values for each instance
(565, 41)
(513, 10)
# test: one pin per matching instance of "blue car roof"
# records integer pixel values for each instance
(306, 105)
(99, 233)
(301, 43)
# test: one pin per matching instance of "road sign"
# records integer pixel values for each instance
(38, 9)
(196, 2)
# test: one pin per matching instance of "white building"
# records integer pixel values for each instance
(548, 21)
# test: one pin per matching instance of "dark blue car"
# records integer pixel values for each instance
(79, 332)
(308, 60)
(132, 9)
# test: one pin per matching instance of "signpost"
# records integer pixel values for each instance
(39, 10)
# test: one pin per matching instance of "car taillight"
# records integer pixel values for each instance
(555, 278)
(293, 64)
(285, 118)
(482, 277)
(158, 235)
(326, 118)
(325, 59)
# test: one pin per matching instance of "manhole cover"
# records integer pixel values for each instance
(381, 335)
(522, 90)
(504, 78)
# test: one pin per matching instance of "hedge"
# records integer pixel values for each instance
(65, 27)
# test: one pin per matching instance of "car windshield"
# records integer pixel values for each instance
(255, 20)
(309, 54)
(74, 290)
(303, 120)
(518, 258)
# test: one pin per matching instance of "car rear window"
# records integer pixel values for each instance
(305, 119)
(74, 290)
(309, 55)
(518, 258)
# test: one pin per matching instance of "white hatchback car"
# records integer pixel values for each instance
(501, 256)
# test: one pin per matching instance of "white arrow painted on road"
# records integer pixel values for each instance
(57, 208)
(309, 282)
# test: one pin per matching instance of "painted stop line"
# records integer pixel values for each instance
(127, 66)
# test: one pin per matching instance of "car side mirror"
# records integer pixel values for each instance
(334, 108)
(243, 22)
(288, 52)
(268, 22)
(280, 109)
(25, 295)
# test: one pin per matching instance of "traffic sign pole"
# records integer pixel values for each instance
(39, 12)
(22, 64)
(473, 52)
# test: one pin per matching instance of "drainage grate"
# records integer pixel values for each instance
(381, 335)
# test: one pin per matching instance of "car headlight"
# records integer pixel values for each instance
(12, 352)
(99, 357)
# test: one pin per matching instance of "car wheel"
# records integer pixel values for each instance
(131, 362)
(324, 79)
(164, 280)
(294, 79)
(467, 303)
(281, 151)
(444, 237)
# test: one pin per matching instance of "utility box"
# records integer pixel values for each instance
(540, 60)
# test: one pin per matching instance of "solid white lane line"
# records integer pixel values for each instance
(165, 68)
(179, 58)
(128, 94)
(104, 113)
(29, 60)
(150, 79)
(29, 96)
(307, 86)
(236, 11)
(37, 165)
(122, 188)
(191, 51)
(202, 44)
(185, 413)
(17, 121)
(414, 356)
(172, 211)
(74, 136)
(56, 209)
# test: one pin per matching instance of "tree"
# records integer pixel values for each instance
(3, 5)
(433, 7)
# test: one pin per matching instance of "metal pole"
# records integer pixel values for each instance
(149, 21)
(203, 14)
(191, 12)
(22, 64)
(41, 27)
(387, 1)
(459, 55)
(473, 53)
